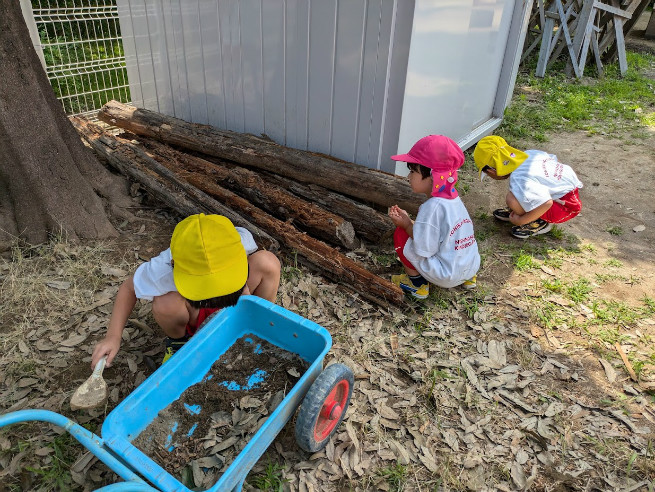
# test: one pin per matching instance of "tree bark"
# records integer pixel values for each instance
(160, 182)
(341, 176)
(311, 218)
(47, 177)
(327, 260)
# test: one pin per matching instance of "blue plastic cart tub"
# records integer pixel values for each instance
(190, 365)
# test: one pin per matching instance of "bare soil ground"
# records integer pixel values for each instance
(519, 385)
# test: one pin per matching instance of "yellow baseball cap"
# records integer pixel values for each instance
(493, 151)
(209, 259)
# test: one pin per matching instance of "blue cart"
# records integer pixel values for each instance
(322, 395)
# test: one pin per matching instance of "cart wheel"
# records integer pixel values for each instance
(324, 407)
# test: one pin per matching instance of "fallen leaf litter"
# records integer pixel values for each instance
(223, 411)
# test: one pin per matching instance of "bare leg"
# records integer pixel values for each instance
(171, 313)
(410, 272)
(264, 275)
(514, 204)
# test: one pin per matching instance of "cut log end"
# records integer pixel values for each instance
(346, 234)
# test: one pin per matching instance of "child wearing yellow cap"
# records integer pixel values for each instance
(439, 247)
(208, 266)
(542, 190)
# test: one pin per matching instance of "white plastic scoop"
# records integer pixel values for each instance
(93, 391)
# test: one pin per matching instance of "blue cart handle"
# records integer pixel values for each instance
(127, 487)
(87, 438)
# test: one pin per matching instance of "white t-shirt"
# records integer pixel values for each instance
(541, 178)
(155, 277)
(443, 249)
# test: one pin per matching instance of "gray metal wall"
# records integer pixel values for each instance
(323, 75)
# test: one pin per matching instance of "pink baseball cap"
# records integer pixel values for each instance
(437, 152)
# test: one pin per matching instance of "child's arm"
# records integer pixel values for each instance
(400, 218)
(125, 301)
(530, 216)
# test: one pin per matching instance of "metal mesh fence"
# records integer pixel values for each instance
(83, 52)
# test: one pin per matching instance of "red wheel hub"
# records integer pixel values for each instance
(332, 410)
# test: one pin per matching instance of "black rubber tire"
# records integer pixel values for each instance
(311, 406)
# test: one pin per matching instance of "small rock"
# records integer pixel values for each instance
(639, 228)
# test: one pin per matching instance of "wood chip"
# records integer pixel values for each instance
(626, 362)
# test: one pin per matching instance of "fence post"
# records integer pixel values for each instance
(28, 15)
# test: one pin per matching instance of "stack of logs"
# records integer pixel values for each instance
(285, 197)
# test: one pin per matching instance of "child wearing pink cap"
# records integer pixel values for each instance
(439, 247)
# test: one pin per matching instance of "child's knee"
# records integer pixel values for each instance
(169, 305)
(265, 263)
(513, 203)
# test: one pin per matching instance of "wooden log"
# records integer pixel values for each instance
(370, 224)
(341, 176)
(327, 260)
(161, 183)
(309, 217)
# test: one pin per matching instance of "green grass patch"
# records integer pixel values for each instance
(270, 479)
(56, 475)
(615, 230)
(614, 312)
(602, 278)
(395, 475)
(557, 233)
(554, 285)
(599, 105)
(613, 262)
(524, 261)
(579, 290)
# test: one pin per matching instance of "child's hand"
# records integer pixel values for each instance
(108, 347)
(399, 217)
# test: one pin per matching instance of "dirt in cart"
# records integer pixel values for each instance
(222, 411)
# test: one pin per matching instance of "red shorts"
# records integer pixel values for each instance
(564, 208)
(203, 314)
(400, 237)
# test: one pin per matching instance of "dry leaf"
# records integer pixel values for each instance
(393, 341)
(73, 340)
(113, 272)
(401, 452)
(250, 402)
(22, 383)
(43, 345)
(58, 284)
(610, 373)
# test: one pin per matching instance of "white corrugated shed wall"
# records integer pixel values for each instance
(323, 75)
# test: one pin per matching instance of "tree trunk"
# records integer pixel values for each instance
(160, 182)
(276, 201)
(47, 176)
(341, 176)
